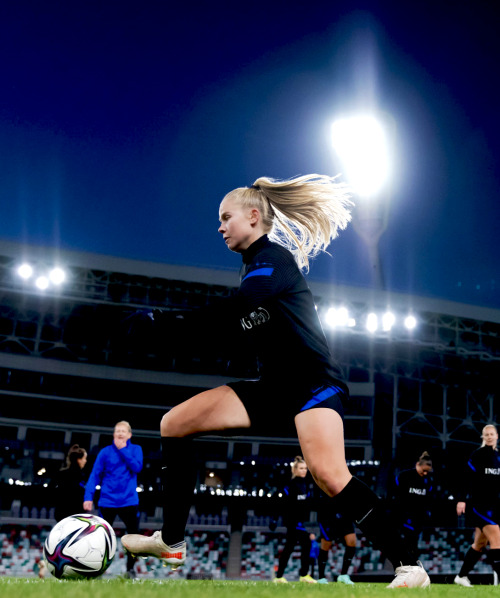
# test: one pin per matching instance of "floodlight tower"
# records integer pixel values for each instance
(361, 142)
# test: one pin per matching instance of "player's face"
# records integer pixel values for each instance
(423, 469)
(82, 461)
(490, 436)
(301, 470)
(237, 225)
(121, 433)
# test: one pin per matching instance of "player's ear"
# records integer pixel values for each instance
(254, 216)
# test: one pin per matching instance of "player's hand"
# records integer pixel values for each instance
(120, 443)
(460, 508)
(88, 505)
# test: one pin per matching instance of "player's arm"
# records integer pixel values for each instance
(468, 479)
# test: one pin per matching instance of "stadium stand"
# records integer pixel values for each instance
(64, 373)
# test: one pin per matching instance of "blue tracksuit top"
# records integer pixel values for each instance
(116, 472)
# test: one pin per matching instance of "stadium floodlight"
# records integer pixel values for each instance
(371, 322)
(25, 271)
(388, 321)
(362, 146)
(42, 282)
(337, 317)
(410, 322)
(57, 276)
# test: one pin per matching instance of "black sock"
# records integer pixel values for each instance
(360, 504)
(348, 556)
(322, 560)
(471, 558)
(178, 478)
(494, 556)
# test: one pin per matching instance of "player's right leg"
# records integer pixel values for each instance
(214, 410)
(321, 437)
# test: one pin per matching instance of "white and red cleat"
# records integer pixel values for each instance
(410, 576)
(144, 546)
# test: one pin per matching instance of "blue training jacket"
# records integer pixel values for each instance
(116, 472)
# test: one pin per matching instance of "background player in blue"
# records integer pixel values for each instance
(115, 470)
(479, 499)
(414, 495)
(299, 380)
(333, 525)
(296, 512)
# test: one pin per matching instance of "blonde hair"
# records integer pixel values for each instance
(425, 459)
(296, 462)
(124, 423)
(484, 430)
(303, 214)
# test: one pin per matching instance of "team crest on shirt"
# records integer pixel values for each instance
(255, 318)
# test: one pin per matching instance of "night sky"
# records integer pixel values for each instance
(123, 124)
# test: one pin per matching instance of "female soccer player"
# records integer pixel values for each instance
(296, 512)
(414, 493)
(480, 494)
(69, 484)
(276, 226)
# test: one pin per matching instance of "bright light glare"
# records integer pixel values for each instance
(410, 322)
(337, 317)
(57, 275)
(25, 271)
(371, 322)
(361, 144)
(388, 320)
(42, 282)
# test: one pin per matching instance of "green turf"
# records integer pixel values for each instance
(116, 588)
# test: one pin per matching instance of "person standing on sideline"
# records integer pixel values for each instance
(115, 471)
(69, 485)
(414, 492)
(276, 226)
(478, 499)
(333, 525)
(296, 512)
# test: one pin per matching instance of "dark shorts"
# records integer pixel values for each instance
(273, 405)
(334, 528)
(481, 515)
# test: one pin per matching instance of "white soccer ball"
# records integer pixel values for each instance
(79, 546)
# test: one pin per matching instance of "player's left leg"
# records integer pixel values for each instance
(472, 556)
(286, 553)
(321, 437)
(210, 411)
(305, 550)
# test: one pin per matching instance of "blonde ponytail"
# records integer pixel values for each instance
(303, 214)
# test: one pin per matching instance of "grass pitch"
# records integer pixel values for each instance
(117, 588)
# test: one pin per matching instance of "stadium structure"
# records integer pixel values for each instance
(67, 376)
